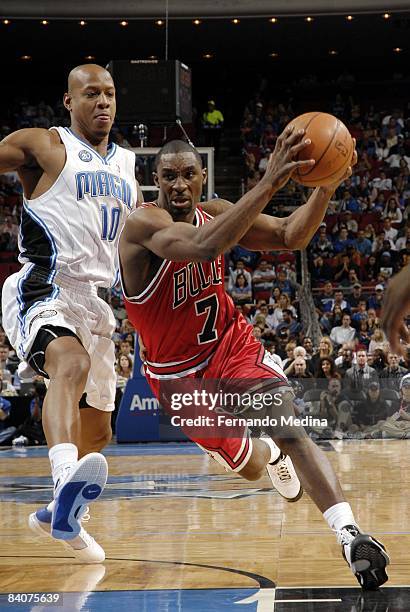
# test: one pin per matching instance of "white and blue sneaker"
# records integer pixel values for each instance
(81, 485)
(83, 547)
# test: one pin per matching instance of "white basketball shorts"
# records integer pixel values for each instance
(30, 300)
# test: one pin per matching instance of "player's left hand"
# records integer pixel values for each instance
(333, 186)
(396, 306)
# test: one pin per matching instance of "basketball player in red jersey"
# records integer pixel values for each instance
(172, 274)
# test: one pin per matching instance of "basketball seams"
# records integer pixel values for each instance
(305, 128)
(335, 131)
(323, 178)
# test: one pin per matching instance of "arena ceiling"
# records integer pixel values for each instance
(135, 9)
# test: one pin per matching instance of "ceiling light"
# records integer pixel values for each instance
(333, 52)
(44, 22)
(236, 21)
(273, 20)
(197, 22)
(153, 57)
(273, 54)
(159, 22)
(26, 57)
(349, 17)
(386, 15)
(90, 57)
(82, 22)
(397, 49)
(6, 21)
(207, 56)
(123, 23)
(309, 19)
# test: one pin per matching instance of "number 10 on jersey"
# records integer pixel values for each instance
(110, 222)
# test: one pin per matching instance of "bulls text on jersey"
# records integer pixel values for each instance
(192, 279)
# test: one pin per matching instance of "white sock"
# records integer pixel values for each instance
(339, 516)
(62, 456)
(274, 450)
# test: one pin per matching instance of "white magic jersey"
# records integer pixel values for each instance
(74, 227)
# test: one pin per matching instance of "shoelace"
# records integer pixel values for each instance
(344, 537)
(86, 516)
(283, 472)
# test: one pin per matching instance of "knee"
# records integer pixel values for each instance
(72, 368)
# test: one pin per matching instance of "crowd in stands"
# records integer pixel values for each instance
(362, 242)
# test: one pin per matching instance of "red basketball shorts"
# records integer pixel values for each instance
(238, 357)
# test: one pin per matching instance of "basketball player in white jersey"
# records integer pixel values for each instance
(78, 191)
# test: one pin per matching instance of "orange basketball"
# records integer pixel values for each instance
(331, 148)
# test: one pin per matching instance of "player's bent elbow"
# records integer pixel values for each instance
(208, 252)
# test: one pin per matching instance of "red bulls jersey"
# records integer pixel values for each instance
(182, 314)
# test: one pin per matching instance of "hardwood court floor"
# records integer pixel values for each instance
(171, 520)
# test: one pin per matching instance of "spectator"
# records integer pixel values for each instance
(374, 409)
(299, 369)
(326, 369)
(4, 362)
(308, 346)
(393, 212)
(363, 244)
(6, 388)
(127, 349)
(391, 375)
(320, 271)
(262, 280)
(378, 341)
(6, 430)
(355, 298)
(239, 269)
(343, 241)
(390, 233)
(282, 282)
(377, 359)
(401, 243)
(284, 304)
(360, 375)
(123, 370)
(326, 299)
(241, 293)
(342, 272)
(343, 333)
(325, 350)
(322, 245)
(212, 123)
(344, 361)
(289, 322)
(331, 402)
(376, 301)
(289, 348)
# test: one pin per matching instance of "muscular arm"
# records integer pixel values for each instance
(290, 233)
(154, 229)
(22, 148)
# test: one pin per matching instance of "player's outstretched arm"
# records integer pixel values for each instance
(22, 148)
(155, 230)
(396, 306)
(290, 233)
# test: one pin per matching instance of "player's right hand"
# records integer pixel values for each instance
(396, 306)
(282, 163)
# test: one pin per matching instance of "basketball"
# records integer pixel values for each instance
(331, 148)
